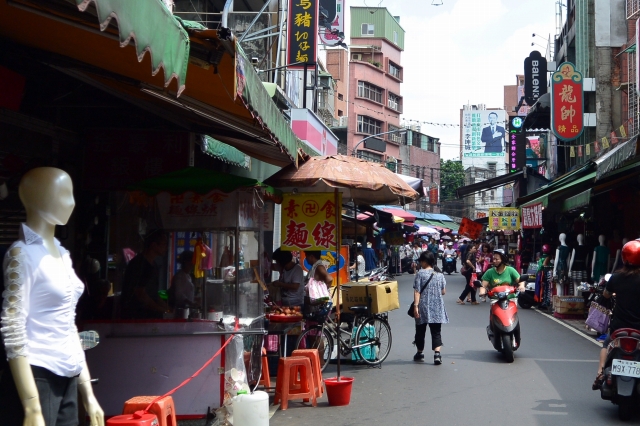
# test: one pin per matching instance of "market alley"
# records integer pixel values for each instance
(548, 384)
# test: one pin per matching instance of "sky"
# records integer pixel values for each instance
(464, 51)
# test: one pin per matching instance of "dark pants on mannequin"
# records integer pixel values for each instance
(421, 332)
(58, 399)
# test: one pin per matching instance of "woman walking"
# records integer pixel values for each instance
(429, 287)
(469, 267)
(484, 261)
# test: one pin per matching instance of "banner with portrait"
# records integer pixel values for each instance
(483, 133)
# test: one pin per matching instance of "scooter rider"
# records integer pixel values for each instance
(502, 274)
(450, 251)
(625, 283)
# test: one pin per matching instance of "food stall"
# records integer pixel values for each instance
(225, 226)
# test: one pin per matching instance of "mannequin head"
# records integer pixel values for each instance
(601, 239)
(47, 194)
(562, 238)
(580, 239)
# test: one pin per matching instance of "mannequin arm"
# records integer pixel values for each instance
(615, 262)
(555, 264)
(94, 411)
(573, 257)
(593, 263)
(27, 390)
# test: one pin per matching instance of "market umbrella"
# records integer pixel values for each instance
(426, 230)
(445, 237)
(359, 180)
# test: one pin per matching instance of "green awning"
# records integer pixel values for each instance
(577, 201)
(545, 198)
(440, 223)
(259, 103)
(193, 179)
(151, 26)
(224, 152)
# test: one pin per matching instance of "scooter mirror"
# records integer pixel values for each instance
(89, 339)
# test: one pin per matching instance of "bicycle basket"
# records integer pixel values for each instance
(317, 313)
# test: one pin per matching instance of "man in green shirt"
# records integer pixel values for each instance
(501, 273)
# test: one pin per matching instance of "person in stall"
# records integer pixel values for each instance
(141, 280)
(182, 290)
(318, 271)
(291, 278)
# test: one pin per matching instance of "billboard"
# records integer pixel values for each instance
(567, 102)
(335, 17)
(302, 33)
(483, 133)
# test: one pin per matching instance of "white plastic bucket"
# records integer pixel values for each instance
(251, 409)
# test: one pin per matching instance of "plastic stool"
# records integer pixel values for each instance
(163, 408)
(146, 419)
(314, 358)
(265, 379)
(287, 368)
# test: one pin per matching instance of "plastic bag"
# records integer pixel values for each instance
(317, 289)
(598, 318)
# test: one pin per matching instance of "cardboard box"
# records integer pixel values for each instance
(383, 294)
(568, 305)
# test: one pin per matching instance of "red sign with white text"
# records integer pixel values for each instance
(567, 102)
(532, 216)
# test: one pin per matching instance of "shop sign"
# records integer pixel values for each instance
(532, 216)
(335, 10)
(332, 262)
(117, 158)
(506, 218)
(567, 102)
(309, 221)
(483, 134)
(433, 194)
(517, 146)
(535, 77)
(302, 33)
(313, 132)
(470, 228)
(480, 215)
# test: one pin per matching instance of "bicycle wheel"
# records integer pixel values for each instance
(374, 341)
(320, 339)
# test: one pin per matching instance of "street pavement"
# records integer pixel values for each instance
(548, 384)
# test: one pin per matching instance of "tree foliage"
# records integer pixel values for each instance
(451, 178)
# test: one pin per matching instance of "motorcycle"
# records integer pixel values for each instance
(622, 371)
(503, 330)
(449, 264)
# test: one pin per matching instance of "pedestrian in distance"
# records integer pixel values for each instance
(429, 311)
(468, 267)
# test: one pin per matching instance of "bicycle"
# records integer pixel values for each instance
(373, 336)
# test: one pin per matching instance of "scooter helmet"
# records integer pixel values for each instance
(546, 249)
(631, 253)
(502, 254)
(449, 244)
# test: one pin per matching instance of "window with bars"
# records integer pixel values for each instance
(369, 91)
(369, 125)
(395, 70)
(370, 156)
(394, 102)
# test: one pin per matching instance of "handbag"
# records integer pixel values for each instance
(412, 306)
(317, 289)
(598, 318)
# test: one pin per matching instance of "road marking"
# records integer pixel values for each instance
(557, 405)
(564, 360)
(586, 336)
(553, 413)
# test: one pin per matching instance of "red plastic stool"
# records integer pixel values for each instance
(314, 358)
(265, 380)
(287, 368)
(146, 419)
(163, 408)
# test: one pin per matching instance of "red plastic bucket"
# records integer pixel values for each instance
(339, 392)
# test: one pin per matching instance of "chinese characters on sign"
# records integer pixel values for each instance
(483, 133)
(517, 150)
(309, 221)
(302, 33)
(470, 228)
(504, 218)
(567, 102)
(532, 216)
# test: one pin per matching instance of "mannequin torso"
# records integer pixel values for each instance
(561, 265)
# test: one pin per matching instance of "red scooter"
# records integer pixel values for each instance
(504, 327)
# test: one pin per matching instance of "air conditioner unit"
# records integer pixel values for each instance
(356, 56)
(344, 121)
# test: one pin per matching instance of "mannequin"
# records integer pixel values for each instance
(560, 266)
(39, 264)
(578, 263)
(600, 262)
(617, 263)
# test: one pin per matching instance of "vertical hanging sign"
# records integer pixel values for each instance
(567, 102)
(302, 33)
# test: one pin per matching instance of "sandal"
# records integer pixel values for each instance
(597, 383)
(459, 302)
